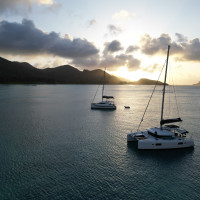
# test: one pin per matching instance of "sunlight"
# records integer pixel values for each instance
(150, 69)
(134, 75)
(124, 73)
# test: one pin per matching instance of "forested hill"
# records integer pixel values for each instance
(23, 72)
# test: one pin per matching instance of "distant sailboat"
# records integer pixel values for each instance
(107, 102)
(164, 137)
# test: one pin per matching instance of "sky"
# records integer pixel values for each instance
(129, 38)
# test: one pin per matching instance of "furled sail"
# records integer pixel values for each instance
(168, 121)
(108, 97)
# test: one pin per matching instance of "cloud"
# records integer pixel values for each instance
(191, 50)
(86, 62)
(25, 38)
(180, 37)
(112, 58)
(18, 6)
(151, 45)
(93, 62)
(151, 68)
(112, 47)
(133, 64)
(182, 49)
(129, 61)
(114, 30)
(131, 49)
(110, 62)
(92, 22)
(113, 62)
(122, 15)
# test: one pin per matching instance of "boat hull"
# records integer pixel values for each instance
(103, 107)
(164, 144)
(134, 137)
(149, 142)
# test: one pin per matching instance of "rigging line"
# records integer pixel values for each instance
(151, 97)
(174, 90)
(169, 103)
(97, 90)
(169, 92)
(103, 82)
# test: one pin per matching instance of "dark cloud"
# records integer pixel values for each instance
(133, 64)
(112, 62)
(131, 49)
(114, 30)
(151, 45)
(182, 49)
(25, 38)
(129, 61)
(113, 46)
(191, 50)
(91, 62)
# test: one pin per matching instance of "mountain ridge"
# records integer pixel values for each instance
(24, 73)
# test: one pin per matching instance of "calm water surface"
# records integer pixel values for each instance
(53, 146)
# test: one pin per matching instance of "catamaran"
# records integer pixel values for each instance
(107, 102)
(166, 136)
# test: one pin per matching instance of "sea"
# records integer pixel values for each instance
(53, 146)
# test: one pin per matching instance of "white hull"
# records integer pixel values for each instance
(105, 106)
(150, 142)
(164, 144)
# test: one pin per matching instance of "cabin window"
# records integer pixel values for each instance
(158, 144)
(180, 143)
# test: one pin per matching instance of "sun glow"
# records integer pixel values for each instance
(123, 72)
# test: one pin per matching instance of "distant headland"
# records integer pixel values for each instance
(198, 84)
(24, 73)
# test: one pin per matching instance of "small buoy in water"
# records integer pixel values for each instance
(126, 106)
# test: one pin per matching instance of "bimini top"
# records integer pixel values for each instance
(108, 97)
(176, 128)
(160, 132)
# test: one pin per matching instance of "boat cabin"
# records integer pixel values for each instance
(167, 131)
(157, 132)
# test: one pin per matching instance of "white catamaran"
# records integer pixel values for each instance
(107, 102)
(164, 137)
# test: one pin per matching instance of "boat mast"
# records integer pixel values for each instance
(163, 98)
(103, 83)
